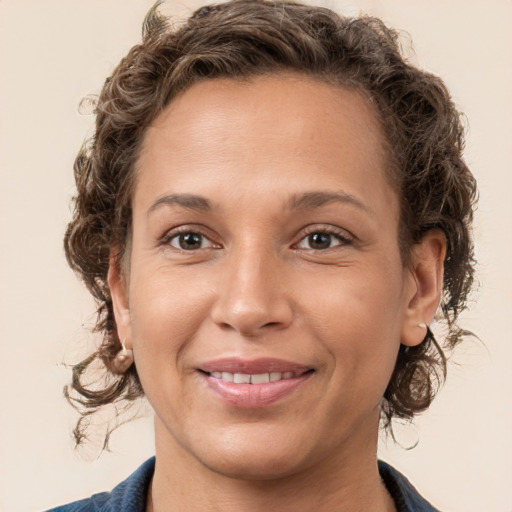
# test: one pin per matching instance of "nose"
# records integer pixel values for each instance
(252, 298)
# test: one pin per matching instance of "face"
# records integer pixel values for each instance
(266, 298)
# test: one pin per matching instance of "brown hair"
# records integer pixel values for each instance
(244, 38)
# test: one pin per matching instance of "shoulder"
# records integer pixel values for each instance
(129, 496)
(406, 497)
(93, 504)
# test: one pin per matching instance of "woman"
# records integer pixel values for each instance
(271, 210)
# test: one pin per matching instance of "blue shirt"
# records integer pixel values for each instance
(131, 495)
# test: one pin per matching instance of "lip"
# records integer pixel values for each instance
(253, 395)
(252, 366)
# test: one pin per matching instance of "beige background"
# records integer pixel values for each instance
(55, 52)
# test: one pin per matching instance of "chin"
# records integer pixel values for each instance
(266, 455)
(244, 467)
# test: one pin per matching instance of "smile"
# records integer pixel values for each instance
(258, 378)
(253, 384)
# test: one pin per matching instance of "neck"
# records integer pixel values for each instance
(348, 481)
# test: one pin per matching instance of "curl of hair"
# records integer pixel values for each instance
(239, 40)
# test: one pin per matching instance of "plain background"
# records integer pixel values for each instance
(52, 54)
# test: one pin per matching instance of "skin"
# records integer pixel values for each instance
(267, 155)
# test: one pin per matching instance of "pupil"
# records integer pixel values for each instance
(190, 241)
(320, 240)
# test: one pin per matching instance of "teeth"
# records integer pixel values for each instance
(241, 378)
(260, 378)
(245, 378)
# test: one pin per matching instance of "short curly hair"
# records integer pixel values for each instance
(243, 39)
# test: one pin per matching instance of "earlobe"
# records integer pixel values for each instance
(424, 287)
(118, 286)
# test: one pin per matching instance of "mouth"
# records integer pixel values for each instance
(253, 384)
(255, 378)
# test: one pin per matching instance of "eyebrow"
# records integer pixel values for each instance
(189, 201)
(304, 201)
(317, 199)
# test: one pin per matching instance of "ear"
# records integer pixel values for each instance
(424, 286)
(118, 286)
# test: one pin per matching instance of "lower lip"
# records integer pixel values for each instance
(254, 395)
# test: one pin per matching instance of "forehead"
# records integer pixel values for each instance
(292, 100)
(284, 126)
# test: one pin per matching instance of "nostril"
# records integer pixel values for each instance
(249, 311)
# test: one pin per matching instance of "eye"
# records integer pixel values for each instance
(321, 240)
(189, 241)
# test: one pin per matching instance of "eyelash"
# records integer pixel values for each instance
(342, 236)
(185, 230)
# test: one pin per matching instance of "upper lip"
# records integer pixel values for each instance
(253, 366)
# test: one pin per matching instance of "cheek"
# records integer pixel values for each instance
(166, 313)
(358, 316)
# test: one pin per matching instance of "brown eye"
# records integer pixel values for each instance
(319, 240)
(323, 240)
(188, 241)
